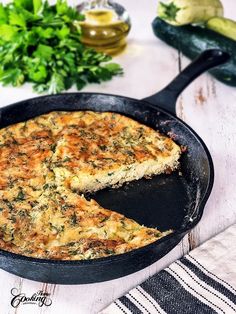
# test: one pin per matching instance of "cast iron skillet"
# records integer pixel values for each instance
(167, 201)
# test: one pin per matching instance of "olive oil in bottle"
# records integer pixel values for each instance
(105, 27)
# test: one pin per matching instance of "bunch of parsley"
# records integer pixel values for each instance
(40, 43)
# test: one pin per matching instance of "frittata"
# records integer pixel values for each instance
(46, 163)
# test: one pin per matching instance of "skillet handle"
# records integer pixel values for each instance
(167, 97)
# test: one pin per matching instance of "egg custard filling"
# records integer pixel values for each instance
(48, 162)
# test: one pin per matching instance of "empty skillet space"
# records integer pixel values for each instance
(158, 202)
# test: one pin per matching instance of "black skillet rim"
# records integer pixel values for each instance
(109, 259)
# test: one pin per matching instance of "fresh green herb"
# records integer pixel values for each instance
(70, 243)
(83, 149)
(123, 223)
(130, 153)
(45, 187)
(57, 229)
(93, 164)
(103, 147)
(53, 148)
(28, 251)
(20, 196)
(3, 228)
(73, 219)
(108, 158)
(66, 159)
(109, 251)
(22, 213)
(13, 219)
(40, 43)
(72, 252)
(65, 207)
(12, 235)
(104, 219)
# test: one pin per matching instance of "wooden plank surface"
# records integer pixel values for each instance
(207, 105)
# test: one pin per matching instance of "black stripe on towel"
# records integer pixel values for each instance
(148, 299)
(130, 305)
(172, 297)
(120, 308)
(208, 280)
(214, 275)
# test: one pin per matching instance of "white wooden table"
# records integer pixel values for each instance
(207, 105)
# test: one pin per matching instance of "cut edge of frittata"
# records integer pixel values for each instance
(85, 182)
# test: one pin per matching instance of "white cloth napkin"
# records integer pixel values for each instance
(203, 281)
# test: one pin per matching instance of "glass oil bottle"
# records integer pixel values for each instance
(105, 27)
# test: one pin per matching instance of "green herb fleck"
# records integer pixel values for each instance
(67, 159)
(73, 219)
(72, 252)
(53, 147)
(9, 205)
(103, 147)
(45, 187)
(20, 196)
(104, 219)
(130, 153)
(109, 251)
(58, 229)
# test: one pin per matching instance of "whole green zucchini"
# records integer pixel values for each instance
(192, 40)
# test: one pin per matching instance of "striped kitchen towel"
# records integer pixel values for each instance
(204, 281)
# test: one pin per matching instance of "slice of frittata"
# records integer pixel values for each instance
(98, 150)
